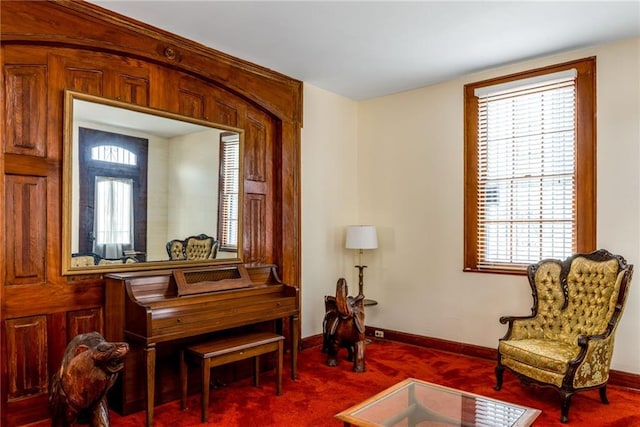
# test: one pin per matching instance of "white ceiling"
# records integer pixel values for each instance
(365, 49)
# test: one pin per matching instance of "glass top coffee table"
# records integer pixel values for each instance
(413, 403)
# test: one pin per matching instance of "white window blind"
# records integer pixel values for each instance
(228, 229)
(526, 172)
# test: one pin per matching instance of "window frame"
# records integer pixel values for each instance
(585, 171)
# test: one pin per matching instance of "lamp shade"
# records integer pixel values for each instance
(361, 237)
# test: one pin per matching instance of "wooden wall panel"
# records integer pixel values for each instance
(255, 148)
(84, 80)
(260, 168)
(27, 356)
(203, 100)
(83, 321)
(25, 232)
(134, 90)
(96, 73)
(255, 233)
(191, 104)
(225, 113)
(25, 106)
(55, 45)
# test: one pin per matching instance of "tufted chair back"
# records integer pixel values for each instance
(200, 247)
(579, 301)
(567, 341)
(175, 249)
(593, 290)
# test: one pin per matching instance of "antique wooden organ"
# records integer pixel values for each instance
(148, 309)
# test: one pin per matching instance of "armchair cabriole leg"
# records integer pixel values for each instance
(603, 395)
(566, 401)
(499, 375)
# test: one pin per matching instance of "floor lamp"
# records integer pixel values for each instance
(361, 237)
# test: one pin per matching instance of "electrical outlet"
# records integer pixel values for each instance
(378, 334)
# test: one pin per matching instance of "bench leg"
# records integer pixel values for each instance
(279, 369)
(206, 376)
(256, 371)
(183, 381)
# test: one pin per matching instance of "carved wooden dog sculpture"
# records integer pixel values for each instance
(343, 326)
(79, 389)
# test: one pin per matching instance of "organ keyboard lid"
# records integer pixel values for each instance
(198, 281)
(191, 282)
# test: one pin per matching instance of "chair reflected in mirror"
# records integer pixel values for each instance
(200, 247)
(79, 260)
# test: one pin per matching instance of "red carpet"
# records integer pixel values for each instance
(321, 392)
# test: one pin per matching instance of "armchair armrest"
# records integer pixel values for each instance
(583, 340)
(511, 321)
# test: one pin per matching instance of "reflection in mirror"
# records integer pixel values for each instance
(146, 189)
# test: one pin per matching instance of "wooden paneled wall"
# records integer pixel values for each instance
(51, 46)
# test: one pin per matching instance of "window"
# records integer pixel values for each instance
(113, 154)
(114, 211)
(228, 206)
(114, 199)
(530, 167)
(113, 193)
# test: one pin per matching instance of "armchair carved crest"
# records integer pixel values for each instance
(567, 341)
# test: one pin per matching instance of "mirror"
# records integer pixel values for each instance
(146, 189)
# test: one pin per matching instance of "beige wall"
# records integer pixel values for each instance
(410, 184)
(192, 209)
(329, 197)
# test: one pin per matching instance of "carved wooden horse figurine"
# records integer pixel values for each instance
(343, 326)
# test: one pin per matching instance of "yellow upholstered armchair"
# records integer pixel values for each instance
(198, 247)
(567, 341)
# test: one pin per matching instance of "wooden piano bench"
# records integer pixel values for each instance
(226, 350)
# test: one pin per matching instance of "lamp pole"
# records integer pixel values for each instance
(361, 237)
(361, 278)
